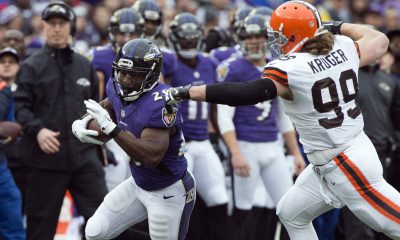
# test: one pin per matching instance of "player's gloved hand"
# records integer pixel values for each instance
(79, 129)
(176, 95)
(333, 26)
(102, 117)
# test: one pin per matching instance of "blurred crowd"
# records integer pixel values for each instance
(93, 15)
(22, 28)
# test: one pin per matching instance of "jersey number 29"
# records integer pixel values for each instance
(333, 105)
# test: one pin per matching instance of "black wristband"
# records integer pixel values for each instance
(114, 132)
(184, 92)
(333, 27)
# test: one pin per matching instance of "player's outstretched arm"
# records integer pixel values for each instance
(233, 94)
(372, 43)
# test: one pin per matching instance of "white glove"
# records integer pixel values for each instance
(79, 129)
(101, 115)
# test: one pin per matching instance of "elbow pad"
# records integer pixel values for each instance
(241, 93)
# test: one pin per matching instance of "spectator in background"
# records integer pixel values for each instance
(36, 39)
(14, 38)
(374, 16)
(11, 227)
(386, 63)
(338, 10)
(185, 6)
(325, 16)
(51, 87)
(11, 18)
(82, 36)
(208, 16)
(113, 5)
(100, 19)
(358, 9)
(392, 16)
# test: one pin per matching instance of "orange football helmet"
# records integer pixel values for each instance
(291, 25)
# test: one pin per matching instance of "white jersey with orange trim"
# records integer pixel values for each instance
(324, 89)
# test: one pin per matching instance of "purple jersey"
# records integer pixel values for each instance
(195, 114)
(102, 58)
(223, 53)
(253, 123)
(169, 62)
(148, 112)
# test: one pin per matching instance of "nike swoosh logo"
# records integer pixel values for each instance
(166, 197)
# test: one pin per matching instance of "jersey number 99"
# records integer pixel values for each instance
(333, 105)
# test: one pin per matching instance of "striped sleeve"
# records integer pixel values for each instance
(358, 49)
(276, 74)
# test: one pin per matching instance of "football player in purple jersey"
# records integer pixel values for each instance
(251, 132)
(153, 19)
(224, 52)
(160, 189)
(196, 68)
(125, 24)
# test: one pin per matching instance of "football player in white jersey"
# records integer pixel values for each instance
(316, 78)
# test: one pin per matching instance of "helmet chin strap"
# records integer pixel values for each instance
(297, 46)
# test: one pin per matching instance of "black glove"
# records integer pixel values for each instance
(333, 27)
(175, 96)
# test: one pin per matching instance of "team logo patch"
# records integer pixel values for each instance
(122, 113)
(169, 118)
(153, 54)
(222, 72)
(190, 195)
(84, 82)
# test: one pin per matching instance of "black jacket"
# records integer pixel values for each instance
(52, 85)
(380, 105)
(5, 95)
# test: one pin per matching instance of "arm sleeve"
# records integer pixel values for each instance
(225, 118)
(243, 93)
(24, 101)
(284, 123)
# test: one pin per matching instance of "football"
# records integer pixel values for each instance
(93, 125)
(9, 129)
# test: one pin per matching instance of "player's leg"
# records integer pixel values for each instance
(169, 217)
(259, 225)
(198, 222)
(364, 190)
(244, 188)
(209, 174)
(266, 224)
(210, 180)
(301, 204)
(275, 173)
(120, 209)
